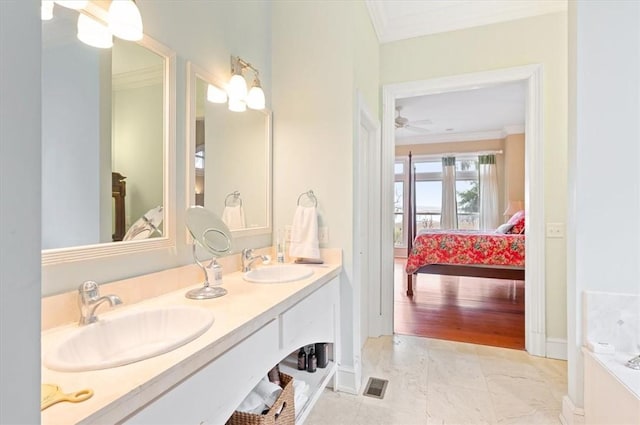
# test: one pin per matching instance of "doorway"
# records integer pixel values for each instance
(535, 340)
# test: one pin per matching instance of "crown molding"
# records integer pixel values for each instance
(395, 21)
(138, 78)
(461, 137)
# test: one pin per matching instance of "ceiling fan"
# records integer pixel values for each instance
(403, 122)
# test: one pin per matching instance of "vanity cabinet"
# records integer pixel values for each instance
(211, 394)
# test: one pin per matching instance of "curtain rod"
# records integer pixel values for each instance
(457, 154)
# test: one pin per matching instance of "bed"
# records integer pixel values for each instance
(487, 254)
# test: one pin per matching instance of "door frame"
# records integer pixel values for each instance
(535, 308)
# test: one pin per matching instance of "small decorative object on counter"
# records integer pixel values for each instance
(302, 359)
(280, 245)
(322, 353)
(312, 361)
(274, 375)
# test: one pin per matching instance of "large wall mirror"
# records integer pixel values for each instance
(107, 144)
(229, 163)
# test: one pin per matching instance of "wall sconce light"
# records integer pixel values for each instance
(236, 91)
(96, 26)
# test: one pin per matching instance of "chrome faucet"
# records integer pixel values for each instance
(248, 258)
(634, 363)
(89, 299)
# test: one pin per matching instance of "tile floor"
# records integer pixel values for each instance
(443, 382)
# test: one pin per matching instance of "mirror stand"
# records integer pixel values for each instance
(207, 291)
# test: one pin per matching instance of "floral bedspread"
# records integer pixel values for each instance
(464, 247)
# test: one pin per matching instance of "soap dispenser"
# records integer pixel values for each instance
(214, 273)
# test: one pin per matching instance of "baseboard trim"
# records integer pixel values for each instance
(348, 380)
(557, 348)
(571, 415)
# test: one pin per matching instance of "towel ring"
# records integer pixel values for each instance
(233, 199)
(310, 195)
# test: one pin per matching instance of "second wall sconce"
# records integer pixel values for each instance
(236, 93)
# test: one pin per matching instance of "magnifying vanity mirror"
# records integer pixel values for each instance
(230, 169)
(211, 233)
(107, 145)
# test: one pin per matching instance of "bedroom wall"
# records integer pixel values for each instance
(514, 168)
(538, 40)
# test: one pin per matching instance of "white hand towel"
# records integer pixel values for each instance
(233, 217)
(304, 233)
(268, 392)
(252, 403)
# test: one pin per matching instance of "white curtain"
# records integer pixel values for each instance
(488, 192)
(449, 213)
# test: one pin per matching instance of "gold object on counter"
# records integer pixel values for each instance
(51, 394)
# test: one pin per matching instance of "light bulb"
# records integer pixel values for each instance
(216, 94)
(125, 20)
(237, 105)
(93, 33)
(73, 4)
(237, 87)
(255, 98)
(46, 10)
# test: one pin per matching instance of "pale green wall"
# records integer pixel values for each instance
(20, 195)
(322, 53)
(538, 40)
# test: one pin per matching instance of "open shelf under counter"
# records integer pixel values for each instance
(317, 381)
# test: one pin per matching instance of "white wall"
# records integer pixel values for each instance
(537, 40)
(20, 212)
(322, 53)
(206, 33)
(604, 195)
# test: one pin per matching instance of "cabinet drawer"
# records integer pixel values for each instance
(311, 320)
(212, 394)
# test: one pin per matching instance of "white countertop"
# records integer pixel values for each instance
(122, 390)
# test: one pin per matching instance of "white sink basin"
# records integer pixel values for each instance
(129, 337)
(278, 274)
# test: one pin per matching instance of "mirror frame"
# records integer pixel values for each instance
(168, 239)
(193, 73)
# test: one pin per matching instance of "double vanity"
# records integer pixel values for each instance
(207, 355)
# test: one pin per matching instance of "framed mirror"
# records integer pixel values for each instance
(229, 159)
(108, 144)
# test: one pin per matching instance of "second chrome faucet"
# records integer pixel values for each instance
(89, 299)
(247, 259)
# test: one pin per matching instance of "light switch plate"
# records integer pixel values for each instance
(555, 230)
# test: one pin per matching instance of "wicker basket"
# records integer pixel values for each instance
(283, 404)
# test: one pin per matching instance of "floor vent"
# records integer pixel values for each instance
(376, 388)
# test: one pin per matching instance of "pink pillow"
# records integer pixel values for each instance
(518, 222)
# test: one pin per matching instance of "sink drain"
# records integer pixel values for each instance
(376, 387)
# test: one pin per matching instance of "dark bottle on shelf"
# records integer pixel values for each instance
(322, 353)
(312, 361)
(302, 359)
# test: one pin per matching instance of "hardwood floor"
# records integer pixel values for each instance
(465, 309)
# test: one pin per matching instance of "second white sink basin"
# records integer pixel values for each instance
(129, 337)
(278, 274)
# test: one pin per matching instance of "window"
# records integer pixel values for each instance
(428, 196)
